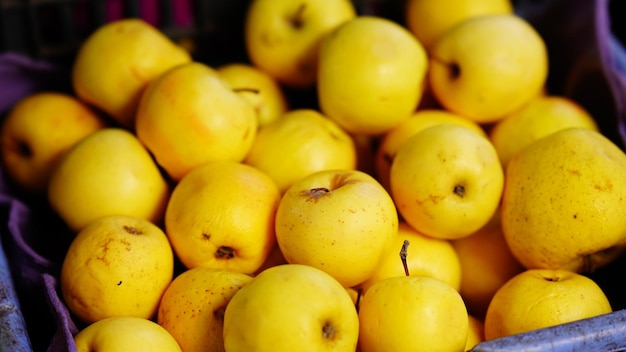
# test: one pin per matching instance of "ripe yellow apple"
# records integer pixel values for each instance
(563, 199)
(394, 138)
(428, 20)
(301, 142)
(258, 88)
(428, 256)
(291, 307)
(125, 333)
(117, 265)
(447, 181)
(38, 130)
(486, 263)
(371, 75)
(476, 332)
(221, 215)
(192, 308)
(488, 67)
(541, 116)
(108, 172)
(412, 313)
(540, 298)
(282, 37)
(340, 221)
(116, 62)
(189, 116)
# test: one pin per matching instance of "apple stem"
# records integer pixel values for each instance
(249, 90)
(296, 20)
(359, 293)
(403, 254)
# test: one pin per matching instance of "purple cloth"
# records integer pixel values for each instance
(587, 63)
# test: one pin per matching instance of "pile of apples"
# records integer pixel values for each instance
(438, 197)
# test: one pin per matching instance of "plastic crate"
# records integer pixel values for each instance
(587, 63)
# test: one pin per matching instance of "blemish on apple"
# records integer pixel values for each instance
(224, 252)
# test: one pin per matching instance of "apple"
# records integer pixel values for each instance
(258, 88)
(563, 199)
(541, 116)
(412, 313)
(193, 305)
(339, 221)
(447, 181)
(488, 67)
(125, 333)
(391, 141)
(428, 20)
(189, 116)
(221, 215)
(541, 298)
(291, 307)
(115, 63)
(371, 75)
(109, 172)
(117, 265)
(282, 37)
(38, 130)
(301, 142)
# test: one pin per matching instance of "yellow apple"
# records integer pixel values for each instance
(540, 298)
(117, 265)
(108, 172)
(447, 181)
(116, 62)
(282, 37)
(221, 215)
(340, 221)
(431, 257)
(488, 67)
(125, 333)
(412, 313)
(394, 138)
(371, 75)
(541, 116)
(563, 199)
(486, 263)
(192, 307)
(38, 130)
(189, 116)
(258, 88)
(291, 307)
(428, 20)
(301, 142)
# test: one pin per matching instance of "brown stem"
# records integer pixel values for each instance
(403, 254)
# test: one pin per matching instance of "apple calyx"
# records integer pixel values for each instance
(328, 331)
(454, 70)
(296, 20)
(403, 255)
(132, 230)
(224, 252)
(459, 190)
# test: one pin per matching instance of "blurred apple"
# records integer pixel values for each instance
(488, 67)
(282, 37)
(301, 142)
(116, 62)
(108, 172)
(38, 130)
(371, 75)
(258, 88)
(339, 221)
(189, 116)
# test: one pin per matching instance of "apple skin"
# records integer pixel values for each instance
(108, 172)
(488, 67)
(291, 307)
(371, 75)
(339, 221)
(116, 62)
(38, 130)
(189, 116)
(282, 37)
(123, 333)
(447, 181)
